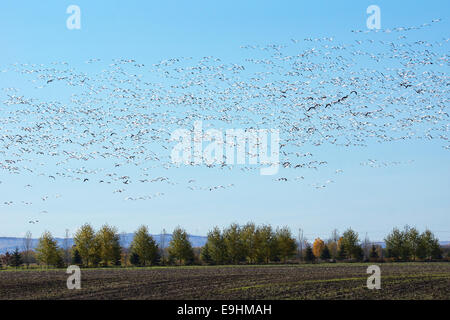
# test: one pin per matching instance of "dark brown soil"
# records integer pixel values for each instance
(324, 281)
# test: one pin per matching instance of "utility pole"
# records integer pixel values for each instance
(300, 243)
(66, 247)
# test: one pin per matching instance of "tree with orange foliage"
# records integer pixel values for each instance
(318, 247)
(340, 244)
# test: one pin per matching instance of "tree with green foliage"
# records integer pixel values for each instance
(403, 244)
(358, 253)
(341, 255)
(325, 255)
(47, 250)
(409, 244)
(309, 255)
(217, 248)
(373, 252)
(266, 244)
(412, 241)
(16, 259)
(6, 259)
(60, 259)
(108, 241)
(87, 245)
(395, 244)
(436, 252)
(134, 259)
(428, 247)
(286, 244)
(180, 248)
(350, 244)
(205, 255)
(234, 244)
(145, 247)
(248, 236)
(76, 258)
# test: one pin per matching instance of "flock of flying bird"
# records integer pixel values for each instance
(112, 124)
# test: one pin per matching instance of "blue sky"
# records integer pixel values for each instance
(370, 200)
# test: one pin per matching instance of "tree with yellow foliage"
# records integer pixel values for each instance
(333, 247)
(318, 246)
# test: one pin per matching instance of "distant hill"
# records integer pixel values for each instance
(444, 243)
(11, 243)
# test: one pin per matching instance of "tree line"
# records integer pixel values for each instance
(235, 244)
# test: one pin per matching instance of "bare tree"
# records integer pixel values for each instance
(366, 247)
(333, 243)
(335, 235)
(27, 247)
(305, 243)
